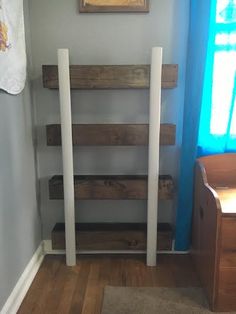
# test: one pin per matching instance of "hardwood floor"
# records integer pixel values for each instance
(59, 289)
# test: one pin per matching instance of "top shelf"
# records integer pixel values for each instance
(110, 76)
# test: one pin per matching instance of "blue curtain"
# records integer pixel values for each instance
(201, 14)
(210, 100)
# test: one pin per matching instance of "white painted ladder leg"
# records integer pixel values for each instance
(67, 154)
(153, 159)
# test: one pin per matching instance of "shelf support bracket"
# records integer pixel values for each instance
(67, 154)
(153, 157)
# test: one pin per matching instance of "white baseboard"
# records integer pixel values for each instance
(22, 286)
(48, 250)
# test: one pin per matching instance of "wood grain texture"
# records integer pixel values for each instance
(111, 187)
(110, 76)
(81, 290)
(226, 300)
(110, 134)
(227, 259)
(220, 170)
(97, 6)
(112, 236)
(214, 229)
(228, 234)
(205, 234)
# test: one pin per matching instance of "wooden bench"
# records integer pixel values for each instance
(214, 229)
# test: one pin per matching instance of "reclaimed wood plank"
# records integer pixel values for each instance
(111, 187)
(110, 134)
(110, 76)
(112, 236)
(91, 6)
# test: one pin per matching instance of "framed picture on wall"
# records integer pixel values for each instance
(95, 6)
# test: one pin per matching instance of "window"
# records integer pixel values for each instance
(223, 109)
(217, 129)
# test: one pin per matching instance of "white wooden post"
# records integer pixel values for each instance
(153, 159)
(67, 154)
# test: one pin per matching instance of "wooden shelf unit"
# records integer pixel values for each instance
(114, 236)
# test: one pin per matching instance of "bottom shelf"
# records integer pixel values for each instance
(112, 236)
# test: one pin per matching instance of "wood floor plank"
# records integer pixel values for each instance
(92, 292)
(47, 294)
(35, 300)
(81, 289)
(117, 277)
(187, 277)
(131, 272)
(55, 290)
(104, 279)
(65, 300)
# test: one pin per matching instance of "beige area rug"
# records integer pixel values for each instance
(124, 300)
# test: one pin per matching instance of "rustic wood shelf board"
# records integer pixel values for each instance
(110, 134)
(112, 236)
(110, 76)
(111, 187)
(92, 6)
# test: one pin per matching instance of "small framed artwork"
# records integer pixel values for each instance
(96, 6)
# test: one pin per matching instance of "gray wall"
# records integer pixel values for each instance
(106, 39)
(20, 232)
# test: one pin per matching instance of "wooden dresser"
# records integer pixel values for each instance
(214, 229)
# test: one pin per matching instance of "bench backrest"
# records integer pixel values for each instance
(220, 169)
